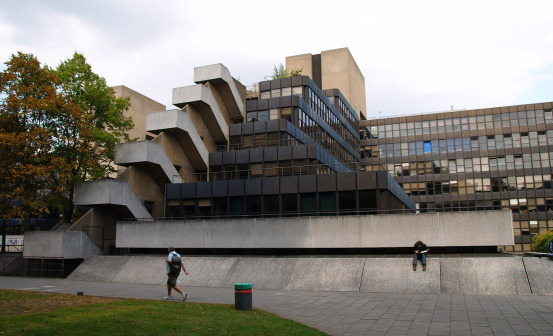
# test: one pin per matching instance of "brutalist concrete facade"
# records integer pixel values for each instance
(288, 150)
(485, 159)
(176, 148)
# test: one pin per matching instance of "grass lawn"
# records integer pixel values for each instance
(35, 313)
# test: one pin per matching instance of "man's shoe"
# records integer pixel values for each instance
(424, 268)
(184, 296)
(168, 297)
(414, 268)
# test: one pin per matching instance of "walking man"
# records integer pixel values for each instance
(174, 265)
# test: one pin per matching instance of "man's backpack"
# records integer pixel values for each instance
(176, 261)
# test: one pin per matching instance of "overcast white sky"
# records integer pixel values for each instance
(416, 56)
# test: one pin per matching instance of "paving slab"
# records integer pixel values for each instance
(330, 311)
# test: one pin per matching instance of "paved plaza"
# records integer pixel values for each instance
(350, 313)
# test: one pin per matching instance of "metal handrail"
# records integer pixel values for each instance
(303, 170)
(236, 146)
(324, 213)
(13, 243)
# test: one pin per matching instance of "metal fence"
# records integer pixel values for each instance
(14, 243)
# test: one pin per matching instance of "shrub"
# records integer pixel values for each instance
(541, 240)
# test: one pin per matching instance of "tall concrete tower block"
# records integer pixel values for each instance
(333, 69)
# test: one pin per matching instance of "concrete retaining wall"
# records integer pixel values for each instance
(484, 275)
(101, 269)
(504, 276)
(540, 275)
(396, 276)
(327, 274)
(478, 228)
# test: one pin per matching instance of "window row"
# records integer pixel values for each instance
(314, 102)
(501, 120)
(268, 169)
(478, 185)
(271, 114)
(283, 92)
(318, 106)
(490, 142)
(517, 205)
(343, 109)
(319, 135)
(324, 203)
(261, 140)
(304, 122)
(472, 165)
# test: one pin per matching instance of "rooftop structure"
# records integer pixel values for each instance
(334, 69)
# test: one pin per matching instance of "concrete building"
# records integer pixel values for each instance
(334, 69)
(280, 168)
(140, 106)
(493, 158)
(173, 144)
(296, 153)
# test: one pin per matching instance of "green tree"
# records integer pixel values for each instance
(280, 72)
(295, 72)
(89, 150)
(57, 128)
(541, 240)
(30, 108)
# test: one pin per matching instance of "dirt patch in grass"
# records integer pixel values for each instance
(13, 302)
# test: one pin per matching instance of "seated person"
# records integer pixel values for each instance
(420, 253)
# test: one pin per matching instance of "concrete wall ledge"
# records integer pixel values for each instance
(59, 244)
(149, 153)
(180, 124)
(200, 94)
(477, 228)
(216, 72)
(112, 193)
(486, 275)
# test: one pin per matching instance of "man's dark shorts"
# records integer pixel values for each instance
(172, 279)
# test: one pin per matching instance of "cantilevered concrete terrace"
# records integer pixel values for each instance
(220, 76)
(179, 124)
(202, 98)
(152, 157)
(114, 194)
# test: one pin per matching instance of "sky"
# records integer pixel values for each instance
(416, 56)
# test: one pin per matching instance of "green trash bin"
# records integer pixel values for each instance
(243, 296)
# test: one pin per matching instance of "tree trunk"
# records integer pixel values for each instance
(4, 224)
(68, 214)
(27, 225)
